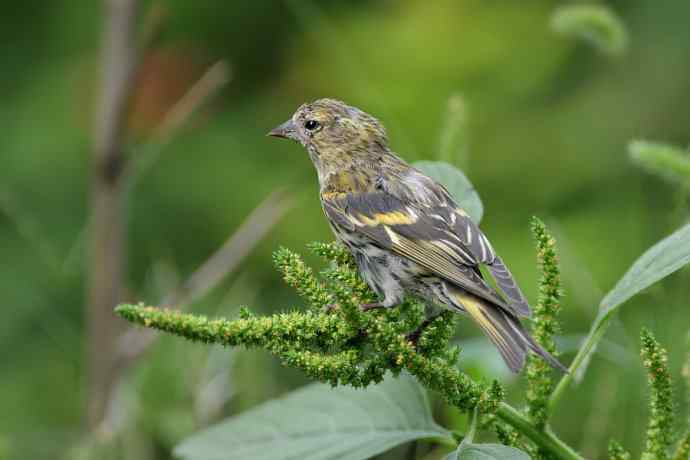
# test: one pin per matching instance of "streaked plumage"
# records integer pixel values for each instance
(405, 230)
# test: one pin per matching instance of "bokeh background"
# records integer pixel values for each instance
(547, 122)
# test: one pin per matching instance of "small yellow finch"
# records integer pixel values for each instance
(404, 230)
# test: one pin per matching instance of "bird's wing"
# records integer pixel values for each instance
(407, 233)
(428, 228)
(430, 195)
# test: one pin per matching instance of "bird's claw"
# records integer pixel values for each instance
(413, 337)
(371, 306)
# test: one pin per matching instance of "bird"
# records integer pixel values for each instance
(407, 234)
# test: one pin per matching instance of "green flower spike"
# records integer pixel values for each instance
(659, 429)
(545, 325)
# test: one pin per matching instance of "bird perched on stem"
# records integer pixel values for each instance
(405, 231)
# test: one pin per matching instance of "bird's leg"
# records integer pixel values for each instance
(414, 335)
(372, 306)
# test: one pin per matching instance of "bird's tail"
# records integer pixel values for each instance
(505, 331)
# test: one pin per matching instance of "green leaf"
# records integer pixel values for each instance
(594, 24)
(664, 160)
(469, 451)
(457, 184)
(318, 422)
(662, 259)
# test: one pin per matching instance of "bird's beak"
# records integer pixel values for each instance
(286, 131)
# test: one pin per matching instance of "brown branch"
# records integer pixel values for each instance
(112, 179)
(109, 196)
(107, 233)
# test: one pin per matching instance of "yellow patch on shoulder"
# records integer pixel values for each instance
(461, 212)
(333, 195)
(389, 218)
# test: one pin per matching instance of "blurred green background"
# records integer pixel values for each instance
(548, 122)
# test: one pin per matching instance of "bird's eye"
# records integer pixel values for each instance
(312, 125)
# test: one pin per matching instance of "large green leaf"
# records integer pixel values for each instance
(457, 184)
(469, 451)
(318, 422)
(662, 259)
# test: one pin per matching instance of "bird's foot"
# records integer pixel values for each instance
(413, 337)
(371, 306)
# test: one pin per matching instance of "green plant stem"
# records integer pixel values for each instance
(543, 439)
(583, 354)
(469, 437)
(567, 378)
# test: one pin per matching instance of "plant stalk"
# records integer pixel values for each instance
(107, 261)
(544, 439)
(582, 355)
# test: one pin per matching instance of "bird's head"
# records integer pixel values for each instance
(335, 134)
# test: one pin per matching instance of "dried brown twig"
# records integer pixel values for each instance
(107, 255)
(112, 177)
